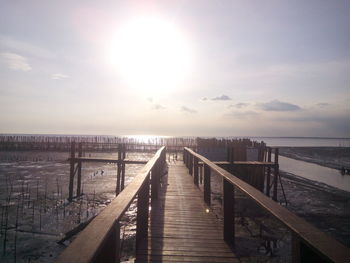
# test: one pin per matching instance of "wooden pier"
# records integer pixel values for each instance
(182, 228)
(174, 221)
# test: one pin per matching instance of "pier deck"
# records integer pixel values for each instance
(181, 229)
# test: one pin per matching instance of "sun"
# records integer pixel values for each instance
(151, 54)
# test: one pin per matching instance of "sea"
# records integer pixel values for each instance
(303, 141)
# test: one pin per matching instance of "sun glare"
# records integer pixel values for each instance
(151, 54)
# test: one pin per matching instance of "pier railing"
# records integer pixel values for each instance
(100, 240)
(309, 244)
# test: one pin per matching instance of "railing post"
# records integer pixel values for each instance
(117, 189)
(301, 253)
(184, 156)
(142, 213)
(195, 170)
(80, 154)
(191, 164)
(71, 174)
(229, 212)
(155, 181)
(122, 183)
(110, 252)
(187, 159)
(268, 172)
(207, 190)
(275, 179)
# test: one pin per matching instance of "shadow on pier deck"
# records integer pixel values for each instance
(182, 228)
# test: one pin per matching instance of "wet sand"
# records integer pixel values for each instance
(324, 206)
(332, 157)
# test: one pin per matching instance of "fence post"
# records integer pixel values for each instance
(155, 181)
(191, 164)
(229, 212)
(117, 189)
(142, 213)
(195, 170)
(71, 174)
(275, 179)
(207, 198)
(110, 252)
(122, 183)
(80, 154)
(268, 172)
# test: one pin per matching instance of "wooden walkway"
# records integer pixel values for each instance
(180, 227)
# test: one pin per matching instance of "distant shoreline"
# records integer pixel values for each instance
(331, 157)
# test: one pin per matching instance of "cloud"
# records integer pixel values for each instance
(186, 109)
(322, 104)
(15, 61)
(222, 97)
(276, 105)
(242, 114)
(59, 76)
(204, 99)
(158, 107)
(150, 99)
(10, 43)
(239, 105)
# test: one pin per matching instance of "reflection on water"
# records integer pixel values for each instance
(315, 172)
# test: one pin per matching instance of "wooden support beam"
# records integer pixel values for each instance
(110, 252)
(80, 154)
(229, 212)
(106, 160)
(122, 183)
(119, 169)
(275, 179)
(71, 174)
(268, 177)
(191, 164)
(155, 180)
(207, 188)
(195, 171)
(142, 213)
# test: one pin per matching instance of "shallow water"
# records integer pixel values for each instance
(315, 172)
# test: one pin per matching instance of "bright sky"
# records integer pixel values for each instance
(206, 68)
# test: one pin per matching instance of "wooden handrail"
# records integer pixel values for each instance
(98, 242)
(303, 233)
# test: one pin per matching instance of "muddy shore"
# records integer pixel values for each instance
(332, 157)
(326, 207)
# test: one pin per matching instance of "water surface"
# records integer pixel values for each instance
(315, 172)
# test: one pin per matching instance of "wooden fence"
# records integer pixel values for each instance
(100, 240)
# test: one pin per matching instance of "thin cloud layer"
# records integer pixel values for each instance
(189, 110)
(322, 104)
(158, 107)
(239, 105)
(276, 105)
(222, 97)
(242, 114)
(59, 76)
(15, 61)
